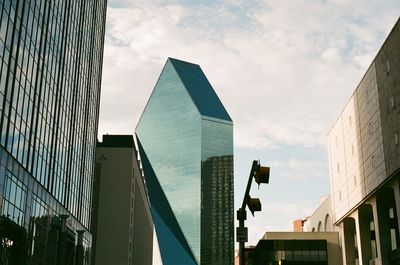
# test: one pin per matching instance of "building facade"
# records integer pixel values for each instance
(364, 156)
(50, 74)
(321, 220)
(298, 248)
(121, 207)
(185, 139)
(298, 224)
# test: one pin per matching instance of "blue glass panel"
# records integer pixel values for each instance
(160, 203)
(216, 138)
(172, 252)
(200, 90)
(217, 191)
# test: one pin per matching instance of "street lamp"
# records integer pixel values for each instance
(260, 175)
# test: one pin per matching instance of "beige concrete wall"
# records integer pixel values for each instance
(322, 217)
(124, 228)
(116, 178)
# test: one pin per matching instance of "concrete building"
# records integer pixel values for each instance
(322, 218)
(364, 157)
(320, 221)
(319, 248)
(51, 55)
(122, 225)
(298, 225)
(185, 138)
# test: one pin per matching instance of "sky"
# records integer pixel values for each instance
(284, 69)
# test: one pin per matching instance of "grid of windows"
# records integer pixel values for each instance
(50, 65)
(14, 199)
(38, 231)
(217, 207)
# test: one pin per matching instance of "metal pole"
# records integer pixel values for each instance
(79, 248)
(241, 213)
(241, 244)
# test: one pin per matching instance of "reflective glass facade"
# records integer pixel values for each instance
(186, 145)
(50, 76)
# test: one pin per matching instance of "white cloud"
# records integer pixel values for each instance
(301, 170)
(282, 72)
(275, 217)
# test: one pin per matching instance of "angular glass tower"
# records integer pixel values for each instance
(185, 139)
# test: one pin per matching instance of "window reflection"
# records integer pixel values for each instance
(14, 200)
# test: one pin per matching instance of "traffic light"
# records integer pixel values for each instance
(261, 174)
(254, 205)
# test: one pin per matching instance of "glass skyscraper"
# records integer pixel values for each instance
(50, 75)
(185, 139)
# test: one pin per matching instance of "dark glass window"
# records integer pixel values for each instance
(14, 200)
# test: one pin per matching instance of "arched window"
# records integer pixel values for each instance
(313, 229)
(319, 226)
(328, 223)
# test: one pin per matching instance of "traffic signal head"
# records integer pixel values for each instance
(261, 175)
(254, 205)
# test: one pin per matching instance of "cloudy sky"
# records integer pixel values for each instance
(283, 69)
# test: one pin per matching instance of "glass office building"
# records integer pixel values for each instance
(50, 76)
(185, 139)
